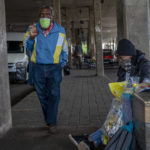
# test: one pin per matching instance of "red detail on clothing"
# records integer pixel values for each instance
(46, 32)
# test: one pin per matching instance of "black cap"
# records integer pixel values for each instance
(126, 48)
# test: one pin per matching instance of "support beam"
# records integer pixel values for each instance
(73, 33)
(68, 31)
(88, 40)
(5, 108)
(98, 38)
(91, 33)
(120, 23)
(136, 21)
(57, 11)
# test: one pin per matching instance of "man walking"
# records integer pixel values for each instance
(47, 43)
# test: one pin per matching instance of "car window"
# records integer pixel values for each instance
(15, 47)
(107, 53)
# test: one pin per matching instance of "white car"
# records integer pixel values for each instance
(17, 58)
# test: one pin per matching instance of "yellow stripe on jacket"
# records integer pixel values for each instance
(57, 54)
(33, 57)
(26, 35)
(64, 36)
(58, 48)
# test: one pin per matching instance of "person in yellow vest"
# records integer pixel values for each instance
(84, 47)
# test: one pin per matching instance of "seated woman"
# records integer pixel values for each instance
(131, 61)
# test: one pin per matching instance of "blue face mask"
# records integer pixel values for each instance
(45, 22)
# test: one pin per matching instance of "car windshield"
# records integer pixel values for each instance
(15, 47)
(107, 53)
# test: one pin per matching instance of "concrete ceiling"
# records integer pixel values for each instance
(21, 13)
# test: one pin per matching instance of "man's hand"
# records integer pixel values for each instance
(33, 31)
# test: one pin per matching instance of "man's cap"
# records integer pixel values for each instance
(126, 48)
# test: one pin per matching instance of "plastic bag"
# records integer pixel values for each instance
(117, 88)
(113, 122)
(127, 107)
(120, 111)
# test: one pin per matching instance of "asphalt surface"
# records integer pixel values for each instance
(85, 102)
(19, 91)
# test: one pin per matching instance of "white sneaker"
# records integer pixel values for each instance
(83, 146)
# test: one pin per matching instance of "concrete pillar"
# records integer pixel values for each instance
(120, 23)
(136, 21)
(73, 33)
(5, 107)
(57, 11)
(91, 33)
(88, 39)
(68, 31)
(98, 38)
(77, 39)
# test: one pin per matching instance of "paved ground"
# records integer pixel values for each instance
(85, 102)
(18, 91)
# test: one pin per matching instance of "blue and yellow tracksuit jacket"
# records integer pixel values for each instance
(52, 49)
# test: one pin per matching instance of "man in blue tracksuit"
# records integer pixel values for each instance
(47, 43)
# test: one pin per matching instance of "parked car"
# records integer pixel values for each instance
(108, 56)
(17, 58)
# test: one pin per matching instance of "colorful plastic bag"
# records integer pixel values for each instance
(121, 110)
(117, 88)
(113, 122)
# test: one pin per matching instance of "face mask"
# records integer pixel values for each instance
(125, 64)
(45, 22)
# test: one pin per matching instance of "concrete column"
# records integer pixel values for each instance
(136, 21)
(88, 40)
(77, 39)
(98, 38)
(5, 108)
(73, 33)
(91, 33)
(120, 23)
(57, 11)
(68, 31)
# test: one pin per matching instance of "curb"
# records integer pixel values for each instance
(18, 97)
